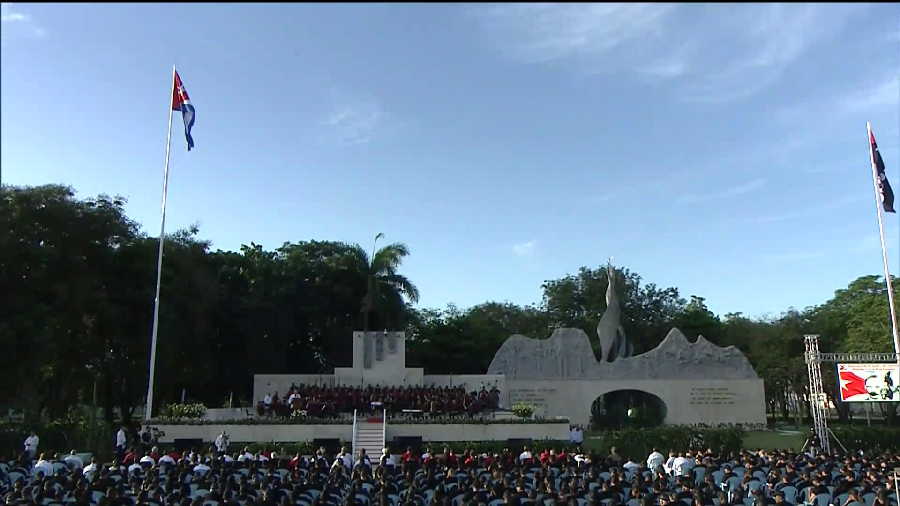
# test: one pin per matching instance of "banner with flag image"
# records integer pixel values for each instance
(883, 186)
(182, 102)
(869, 382)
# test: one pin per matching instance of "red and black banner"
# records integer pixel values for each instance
(884, 187)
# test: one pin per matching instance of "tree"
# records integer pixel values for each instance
(385, 287)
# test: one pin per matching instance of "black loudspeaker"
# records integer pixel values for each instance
(401, 443)
(332, 446)
(182, 445)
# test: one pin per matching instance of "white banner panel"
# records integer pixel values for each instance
(869, 382)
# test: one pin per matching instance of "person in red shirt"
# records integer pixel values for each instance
(448, 458)
(408, 456)
(294, 462)
(130, 457)
(545, 457)
(562, 457)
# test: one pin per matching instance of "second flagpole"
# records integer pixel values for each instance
(162, 235)
(884, 257)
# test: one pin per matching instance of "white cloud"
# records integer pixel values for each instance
(880, 95)
(710, 53)
(733, 191)
(12, 18)
(546, 32)
(665, 69)
(354, 121)
(815, 211)
(525, 249)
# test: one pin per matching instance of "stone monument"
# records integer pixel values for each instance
(697, 382)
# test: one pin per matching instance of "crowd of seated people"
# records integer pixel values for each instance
(329, 401)
(563, 476)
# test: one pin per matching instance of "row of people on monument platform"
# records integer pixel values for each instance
(325, 401)
(518, 478)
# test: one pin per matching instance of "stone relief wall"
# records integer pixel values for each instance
(568, 354)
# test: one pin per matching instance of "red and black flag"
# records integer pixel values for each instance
(884, 187)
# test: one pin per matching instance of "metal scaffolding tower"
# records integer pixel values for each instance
(817, 398)
(816, 393)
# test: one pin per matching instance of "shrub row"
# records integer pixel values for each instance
(345, 421)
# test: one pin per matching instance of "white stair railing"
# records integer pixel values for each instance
(384, 428)
(353, 436)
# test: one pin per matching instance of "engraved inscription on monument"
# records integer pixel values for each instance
(537, 397)
(711, 396)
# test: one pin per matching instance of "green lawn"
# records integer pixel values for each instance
(775, 439)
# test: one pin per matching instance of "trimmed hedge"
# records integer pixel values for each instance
(868, 439)
(348, 421)
(638, 443)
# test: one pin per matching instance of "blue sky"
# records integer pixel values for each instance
(717, 148)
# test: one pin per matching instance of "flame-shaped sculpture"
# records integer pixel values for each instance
(613, 342)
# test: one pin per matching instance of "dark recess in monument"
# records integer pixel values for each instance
(627, 408)
(401, 443)
(187, 444)
(516, 445)
(332, 446)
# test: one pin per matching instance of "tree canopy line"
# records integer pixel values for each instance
(78, 278)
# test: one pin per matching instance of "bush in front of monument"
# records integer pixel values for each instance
(523, 410)
(184, 410)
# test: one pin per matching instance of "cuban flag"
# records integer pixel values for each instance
(181, 102)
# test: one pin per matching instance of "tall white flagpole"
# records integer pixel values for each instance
(162, 232)
(884, 257)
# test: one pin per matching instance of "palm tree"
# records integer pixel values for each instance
(385, 287)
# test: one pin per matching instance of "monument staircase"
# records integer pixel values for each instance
(369, 434)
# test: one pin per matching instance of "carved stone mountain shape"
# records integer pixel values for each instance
(567, 354)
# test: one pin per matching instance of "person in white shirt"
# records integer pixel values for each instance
(346, 457)
(201, 468)
(261, 457)
(91, 468)
(147, 459)
(667, 467)
(678, 465)
(31, 446)
(121, 441)
(43, 465)
(74, 461)
(525, 455)
(167, 459)
(134, 468)
(632, 466)
(655, 460)
(577, 435)
(267, 402)
(222, 442)
(227, 458)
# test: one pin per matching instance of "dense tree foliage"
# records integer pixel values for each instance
(79, 276)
